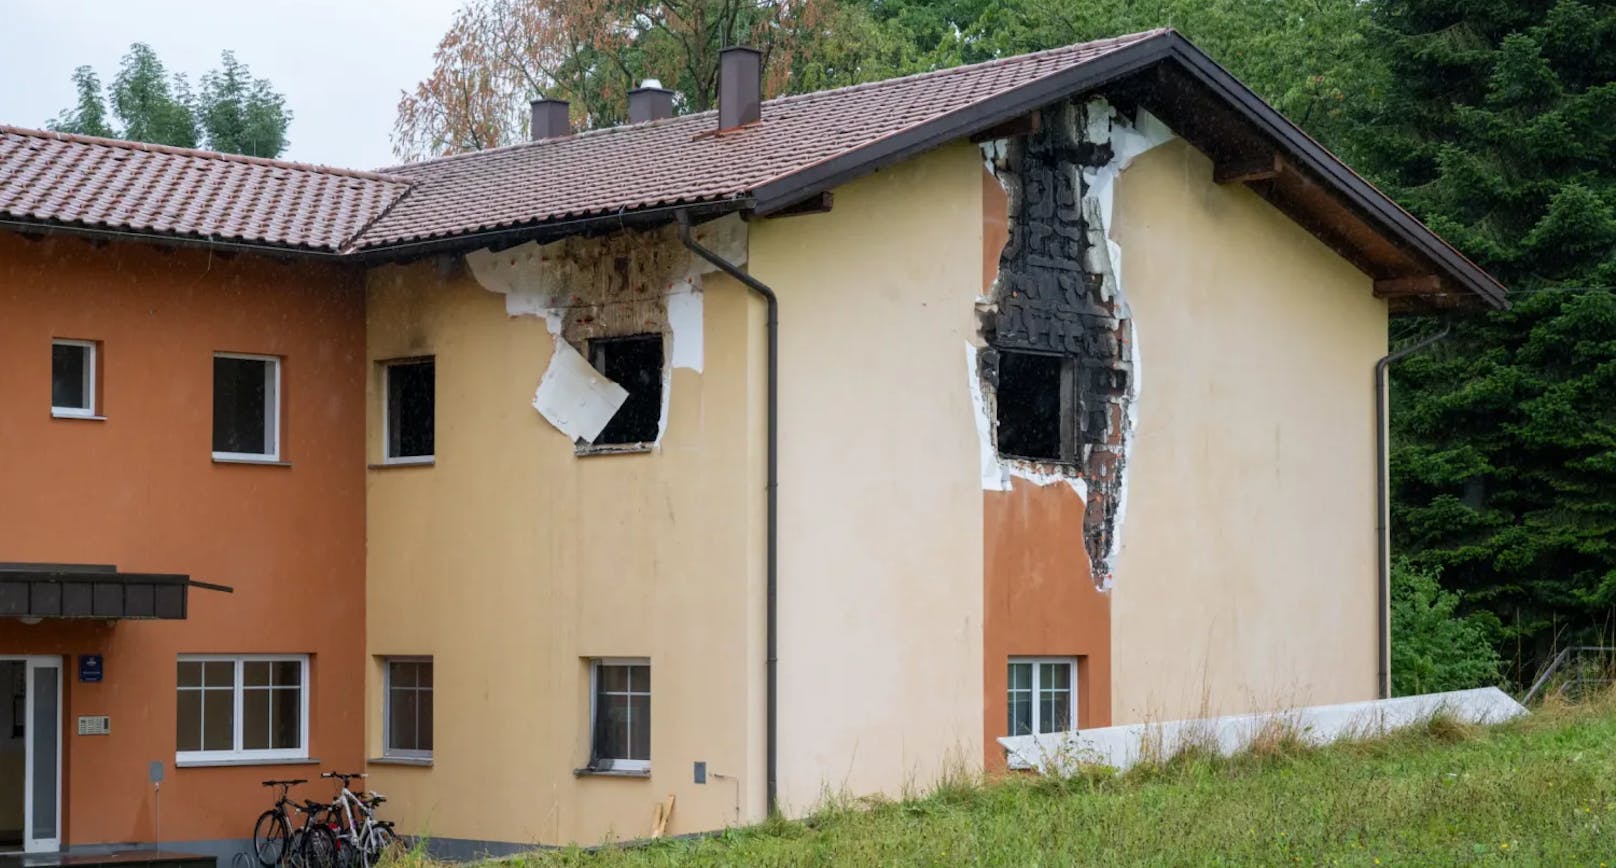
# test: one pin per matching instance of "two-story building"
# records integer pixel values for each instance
(742, 458)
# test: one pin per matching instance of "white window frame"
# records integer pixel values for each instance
(387, 706)
(611, 764)
(89, 379)
(1071, 711)
(272, 410)
(237, 753)
(387, 412)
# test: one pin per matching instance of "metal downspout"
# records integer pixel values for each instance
(771, 487)
(1383, 564)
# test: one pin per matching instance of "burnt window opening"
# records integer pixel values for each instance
(1032, 405)
(635, 363)
(411, 410)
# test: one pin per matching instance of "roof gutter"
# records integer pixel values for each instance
(771, 489)
(208, 242)
(1383, 563)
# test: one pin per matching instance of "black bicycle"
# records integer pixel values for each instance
(276, 843)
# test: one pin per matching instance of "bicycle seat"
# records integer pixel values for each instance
(310, 806)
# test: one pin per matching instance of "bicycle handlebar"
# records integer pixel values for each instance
(345, 776)
(284, 783)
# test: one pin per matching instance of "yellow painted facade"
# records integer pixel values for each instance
(1246, 578)
(1244, 581)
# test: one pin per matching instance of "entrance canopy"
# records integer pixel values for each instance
(93, 591)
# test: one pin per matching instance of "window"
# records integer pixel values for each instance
(635, 363)
(1030, 397)
(407, 717)
(72, 378)
(246, 407)
(622, 715)
(410, 410)
(233, 708)
(1043, 695)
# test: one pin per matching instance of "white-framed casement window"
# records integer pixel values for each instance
(243, 707)
(72, 378)
(246, 407)
(1043, 695)
(620, 715)
(407, 714)
(409, 410)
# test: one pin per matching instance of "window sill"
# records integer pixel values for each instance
(611, 773)
(401, 761)
(614, 449)
(204, 764)
(396, 465)
(83, 417)
(265, 462)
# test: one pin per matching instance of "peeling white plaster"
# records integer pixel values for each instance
(997, 472)
(574, 397)
(1122, 747)
(577, 286)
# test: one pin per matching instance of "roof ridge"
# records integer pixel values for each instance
(1107, 43)
(125, 144)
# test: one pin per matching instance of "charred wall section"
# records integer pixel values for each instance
(1053, 301)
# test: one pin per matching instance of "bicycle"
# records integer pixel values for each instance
(275, 843)
(361, 833)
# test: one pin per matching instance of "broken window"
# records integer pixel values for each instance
(635, 363)
(622, 715)
(1034, 398)
(1043, 695)
(72, 378)
(246, 407)
(410, 410)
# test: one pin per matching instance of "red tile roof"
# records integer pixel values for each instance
(57, 178)
(684, 159)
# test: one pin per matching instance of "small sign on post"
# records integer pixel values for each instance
(90, 668)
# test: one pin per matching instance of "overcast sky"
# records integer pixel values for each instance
(340, 63)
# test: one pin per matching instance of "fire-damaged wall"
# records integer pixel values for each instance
(1054, 377)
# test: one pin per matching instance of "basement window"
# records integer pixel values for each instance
(1043, 695)
(1033, 397)
(621, 712)
(635, 363)
(410, 411)
(246, 407)
(73, 378)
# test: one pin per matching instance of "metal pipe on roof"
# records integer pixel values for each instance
(1383, 588)
(771, 489)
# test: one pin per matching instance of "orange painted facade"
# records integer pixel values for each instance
(1039, 600)
(140, 490)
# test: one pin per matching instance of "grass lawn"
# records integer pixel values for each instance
(1541, 791)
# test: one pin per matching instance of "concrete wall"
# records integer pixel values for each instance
(881, 507)
(139, 489)
(1247, 568)
(511, 561)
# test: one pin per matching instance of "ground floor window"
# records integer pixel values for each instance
(246, 707)
(622, 715)
(407, 717)
(1043, 695)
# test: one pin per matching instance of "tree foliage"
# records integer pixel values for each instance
(499, 54)
(1499, 135)
(1434, 647)
(234, 113)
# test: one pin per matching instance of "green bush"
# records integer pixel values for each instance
(1434, 648)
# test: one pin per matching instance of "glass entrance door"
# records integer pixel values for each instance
(42, 776)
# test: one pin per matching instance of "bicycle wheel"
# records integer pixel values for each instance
(270, 836)
(384, 845)
(319, 847)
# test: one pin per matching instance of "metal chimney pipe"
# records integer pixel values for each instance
(649, 102)
(740, 86)
(548, 119)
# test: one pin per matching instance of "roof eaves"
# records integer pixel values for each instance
(1359, 193)
(784, 190)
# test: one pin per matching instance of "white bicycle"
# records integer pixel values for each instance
(362, 839)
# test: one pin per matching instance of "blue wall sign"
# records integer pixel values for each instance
(90, 668)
